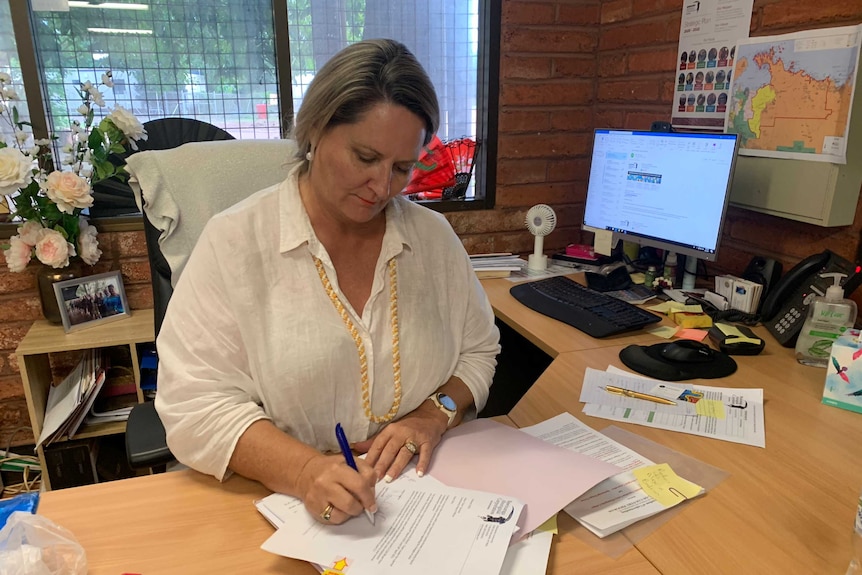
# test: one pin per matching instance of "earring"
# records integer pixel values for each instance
(309, 156)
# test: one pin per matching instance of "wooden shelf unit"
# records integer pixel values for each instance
(45, 338)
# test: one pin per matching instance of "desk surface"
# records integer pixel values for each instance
(551, 336)
(184, 522)
(787, 508)
(784, 509)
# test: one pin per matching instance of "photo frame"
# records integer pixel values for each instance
(91, 300)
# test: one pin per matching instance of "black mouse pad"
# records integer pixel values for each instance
(649, 361)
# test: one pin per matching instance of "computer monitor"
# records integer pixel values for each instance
(667, 190)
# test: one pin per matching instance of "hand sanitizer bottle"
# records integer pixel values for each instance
(828, 317)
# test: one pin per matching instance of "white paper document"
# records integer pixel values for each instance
(724, 413)
(421, 527)
(616, 502)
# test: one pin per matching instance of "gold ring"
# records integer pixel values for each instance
(327, 513)
(410, 446)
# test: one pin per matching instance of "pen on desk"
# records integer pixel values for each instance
(348, 458)
(637, 395)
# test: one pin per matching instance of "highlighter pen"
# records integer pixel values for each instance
(637, 395)
(348, 458)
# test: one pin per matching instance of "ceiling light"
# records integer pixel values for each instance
(113, 5)
(118, 31)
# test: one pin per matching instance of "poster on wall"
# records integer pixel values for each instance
(792, 94)
(707, 47)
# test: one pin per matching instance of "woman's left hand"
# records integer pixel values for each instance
(387, 451)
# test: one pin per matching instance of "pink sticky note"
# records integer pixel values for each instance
(691, 333)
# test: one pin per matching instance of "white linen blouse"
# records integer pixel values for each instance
(251, 334)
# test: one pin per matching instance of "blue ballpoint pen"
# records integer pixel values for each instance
(348, 457)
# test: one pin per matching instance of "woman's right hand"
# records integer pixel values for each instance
(328, 480)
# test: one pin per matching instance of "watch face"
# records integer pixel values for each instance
(446, 402)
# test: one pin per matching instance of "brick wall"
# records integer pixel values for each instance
(567, 67)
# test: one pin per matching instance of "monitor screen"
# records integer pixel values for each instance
(666, 190)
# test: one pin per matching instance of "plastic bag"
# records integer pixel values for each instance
(23, 502)
(35, 545)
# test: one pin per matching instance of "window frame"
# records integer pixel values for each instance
(487, 85)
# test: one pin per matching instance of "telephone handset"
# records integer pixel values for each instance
(786, 306)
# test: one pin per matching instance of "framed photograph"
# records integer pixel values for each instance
(91, 300)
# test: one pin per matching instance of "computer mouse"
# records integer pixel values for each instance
(687, 351)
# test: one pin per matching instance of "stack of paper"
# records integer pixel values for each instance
(69, 402)
(621, 500)
(471, 507)
(730, 414)
(497, 265)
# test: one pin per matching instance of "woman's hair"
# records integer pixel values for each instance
(358, 78)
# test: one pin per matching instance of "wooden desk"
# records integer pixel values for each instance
(185, 522)
(551, 336)
(788, 508)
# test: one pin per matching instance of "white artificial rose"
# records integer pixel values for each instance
(18, 255)
(69, 191)
(53, 250)
(10, 94)
(29, 232)
(88, 244)
(83, 109)
(5, 78)
(128, 124)
(21, 136)
(16, 171)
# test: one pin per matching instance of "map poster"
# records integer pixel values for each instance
(707, 38)
(791, 95)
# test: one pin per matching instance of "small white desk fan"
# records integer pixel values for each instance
(541, 220)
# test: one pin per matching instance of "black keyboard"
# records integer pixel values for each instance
(594, 313)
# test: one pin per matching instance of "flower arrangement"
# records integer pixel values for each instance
(661, 283)
(49, 201)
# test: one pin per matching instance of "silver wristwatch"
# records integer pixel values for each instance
(445, 404)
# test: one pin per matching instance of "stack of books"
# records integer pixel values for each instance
(497, 265)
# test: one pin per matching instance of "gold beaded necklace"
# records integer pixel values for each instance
(360, 347)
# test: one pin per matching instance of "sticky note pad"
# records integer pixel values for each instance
(691, 333)
(663, 331)
(662, 484)
(603, 243)
(710, 408)
(549, 525)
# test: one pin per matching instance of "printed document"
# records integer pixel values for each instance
(614, 503)
(724, 413)
(529, 555)
(421, 527)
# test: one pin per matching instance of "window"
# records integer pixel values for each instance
(229, 62)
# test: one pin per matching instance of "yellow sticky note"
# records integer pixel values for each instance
(710, 408)
(742, 339)
(729, 330)
(603, 243)
(663, 307)
(549, 525)
(662, 484)
(692, 308)
(663, 331)
(637, 278)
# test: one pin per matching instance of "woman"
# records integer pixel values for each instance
(330, 299)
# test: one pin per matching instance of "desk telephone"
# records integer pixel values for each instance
(786, 306)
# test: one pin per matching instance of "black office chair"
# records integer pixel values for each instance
(146, 444)
(188, 179)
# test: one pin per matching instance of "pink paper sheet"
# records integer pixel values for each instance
(489, 456)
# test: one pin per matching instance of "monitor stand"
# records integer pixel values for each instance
(690, 273)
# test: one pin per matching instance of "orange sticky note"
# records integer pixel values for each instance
(691, 333)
